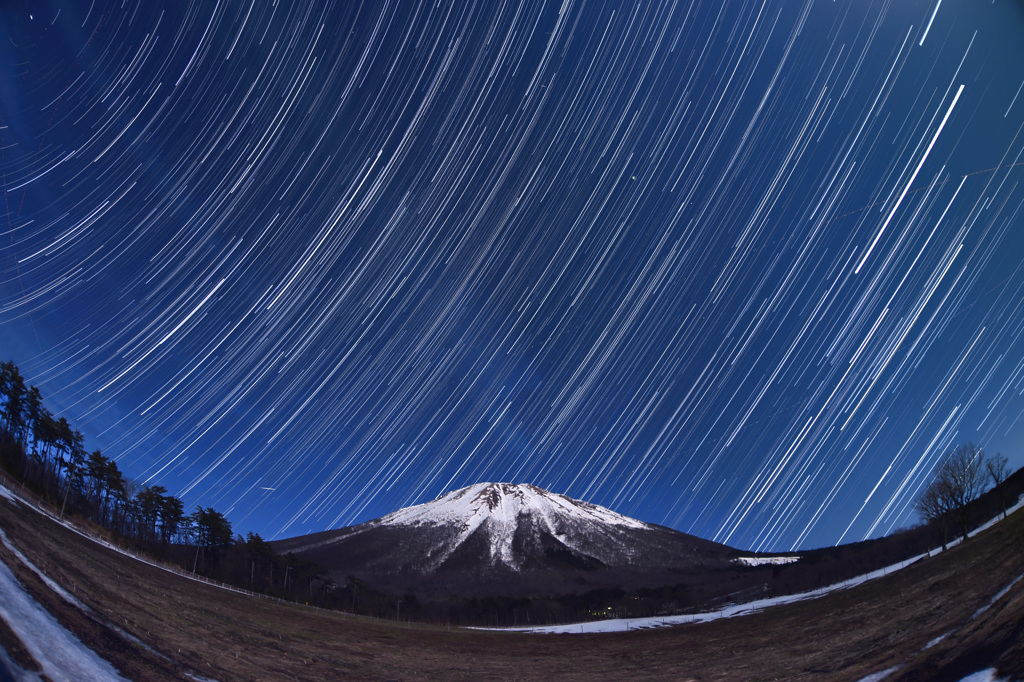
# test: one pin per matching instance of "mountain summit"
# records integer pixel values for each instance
(516, 521)
(508, 539)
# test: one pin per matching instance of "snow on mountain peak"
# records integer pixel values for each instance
(503, 501)
(499, 509)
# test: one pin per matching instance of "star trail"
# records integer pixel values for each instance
(744, 269)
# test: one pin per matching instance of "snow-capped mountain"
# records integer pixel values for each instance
(510, 517)
(510, 539)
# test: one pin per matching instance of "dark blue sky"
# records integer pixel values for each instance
(744, 269)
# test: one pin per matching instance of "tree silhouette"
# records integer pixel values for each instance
(74, 470)
(260, 555)
(149, 503)
(958, 480)
(998, 470)
(49, 456)
(211, 531)
(96, 471)
(44, 440)
(12, 389)
(172, 513)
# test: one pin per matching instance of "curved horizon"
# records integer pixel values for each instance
(746, 272)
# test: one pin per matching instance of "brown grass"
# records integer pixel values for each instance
(192, 627)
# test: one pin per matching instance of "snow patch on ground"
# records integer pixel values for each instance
(7, 494)
(61, 592)
(996, 598)
(880, 675)
(624, 624)
(9, 670)
(990, 675)
(20, 674)
(766, 560)
(61, 654)
(998, 517)
(71, 599)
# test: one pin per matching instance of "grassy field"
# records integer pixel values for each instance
(182, 627)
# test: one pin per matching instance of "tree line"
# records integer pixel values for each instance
(48, 456)
(960, 477)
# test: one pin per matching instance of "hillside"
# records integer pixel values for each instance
(507, 540)
(505, 555)
(942, 618)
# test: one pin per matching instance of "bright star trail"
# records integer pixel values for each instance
(744, 269)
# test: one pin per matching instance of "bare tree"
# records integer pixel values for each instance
(998, 470)
(958, 480)
(935, 506)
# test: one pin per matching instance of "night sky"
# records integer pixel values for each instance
(745, 269)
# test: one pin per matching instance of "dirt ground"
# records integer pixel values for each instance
(185, 628)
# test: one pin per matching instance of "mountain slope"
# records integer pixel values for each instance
(501, 538)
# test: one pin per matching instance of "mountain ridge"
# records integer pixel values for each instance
(505, 538)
